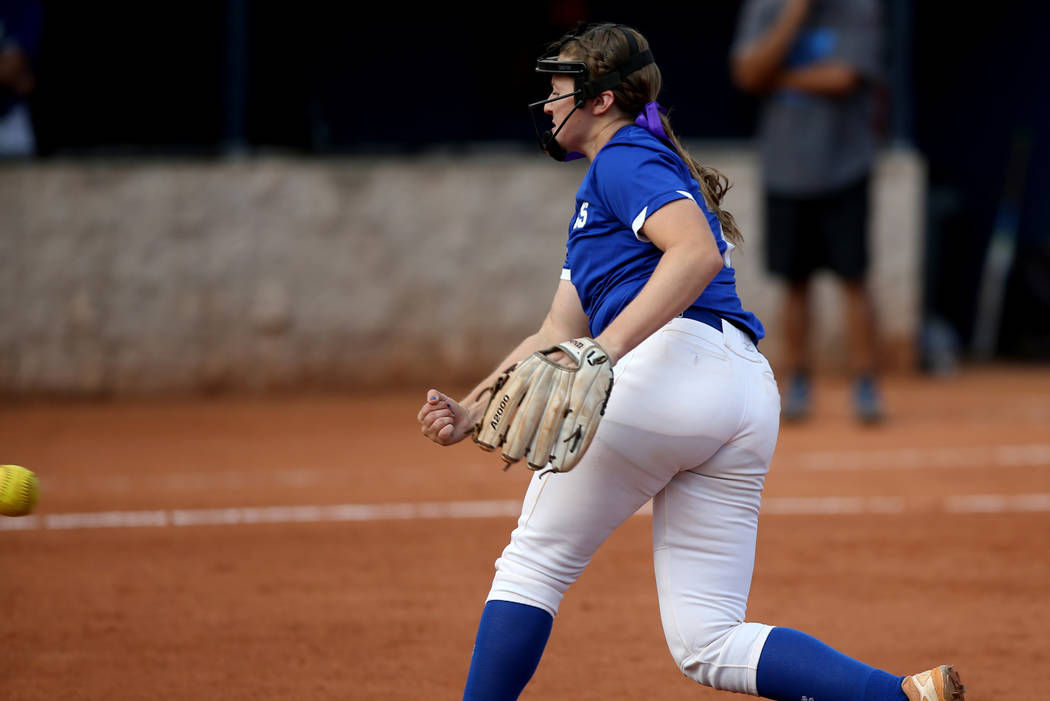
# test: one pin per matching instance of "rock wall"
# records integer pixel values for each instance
(152, 277)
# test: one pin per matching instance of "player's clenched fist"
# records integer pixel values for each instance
(444, 420)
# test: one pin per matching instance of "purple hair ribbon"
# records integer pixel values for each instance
(649, 118)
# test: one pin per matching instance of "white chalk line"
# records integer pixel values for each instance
(1006, 455)
(265, 514)
(793, 506)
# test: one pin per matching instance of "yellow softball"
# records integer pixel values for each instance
(18, 490)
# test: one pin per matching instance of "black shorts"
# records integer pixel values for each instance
(804, 235)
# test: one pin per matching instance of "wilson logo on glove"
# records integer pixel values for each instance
(548, 412)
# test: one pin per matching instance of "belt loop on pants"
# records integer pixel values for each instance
(708, 317)
(705, 316)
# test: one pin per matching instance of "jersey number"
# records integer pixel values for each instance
(581, 218)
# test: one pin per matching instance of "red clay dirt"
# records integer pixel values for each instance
(936, 551)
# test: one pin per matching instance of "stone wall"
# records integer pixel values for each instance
(149, 277)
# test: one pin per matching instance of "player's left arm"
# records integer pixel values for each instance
(690, 261)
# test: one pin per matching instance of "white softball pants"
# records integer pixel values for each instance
(691, 423)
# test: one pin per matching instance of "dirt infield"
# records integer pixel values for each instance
(162, 564)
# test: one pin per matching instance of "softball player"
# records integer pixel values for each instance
(691, 423)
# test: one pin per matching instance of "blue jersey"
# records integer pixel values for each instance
(608, 259)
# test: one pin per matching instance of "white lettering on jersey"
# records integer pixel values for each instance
(581, 218)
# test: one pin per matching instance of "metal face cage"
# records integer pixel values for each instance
(585, 88)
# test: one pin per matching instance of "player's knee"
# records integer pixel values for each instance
(720, 655)
(695, 654)
(524, 582)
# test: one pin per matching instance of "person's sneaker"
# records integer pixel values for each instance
(937, 684)
(867, 403)
(796, 406)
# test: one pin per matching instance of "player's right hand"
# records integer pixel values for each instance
(444, 420)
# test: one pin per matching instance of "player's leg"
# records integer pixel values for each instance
(705, 523)
(641, 443)
(704, 532)
(510, 641)
(564, 519)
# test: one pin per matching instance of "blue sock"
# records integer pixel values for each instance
(507, 650)
(796, 666)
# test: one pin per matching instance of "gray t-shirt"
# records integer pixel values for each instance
(810, 143)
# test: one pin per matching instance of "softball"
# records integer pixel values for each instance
(18, 490)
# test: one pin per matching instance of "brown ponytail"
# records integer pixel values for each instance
(713, 184)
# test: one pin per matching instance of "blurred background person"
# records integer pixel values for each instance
(20, 27)
(816, 66)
